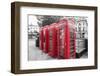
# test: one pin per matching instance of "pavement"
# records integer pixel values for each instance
(34, 53)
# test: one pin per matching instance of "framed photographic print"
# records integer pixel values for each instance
(52, 37)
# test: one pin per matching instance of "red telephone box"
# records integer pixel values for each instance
(58, 39)
(46, 39)
(63, 39)
(41, 38)
(72, 43)
(66, 44)
(52, 40)
(71, 23)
